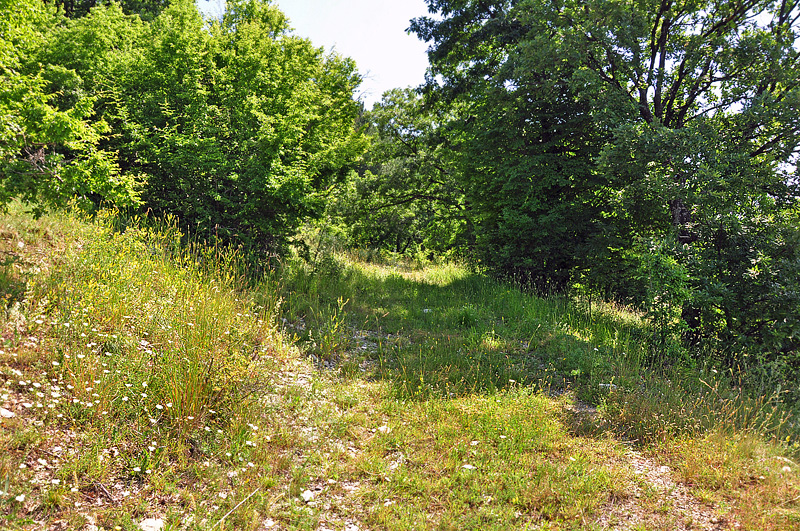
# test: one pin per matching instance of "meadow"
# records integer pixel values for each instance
(147, 381)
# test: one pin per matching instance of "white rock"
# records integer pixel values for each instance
(307, 496)
(384, 429)
(151, 524)
(468, 467)
(6, 414)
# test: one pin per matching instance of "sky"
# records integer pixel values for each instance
(372, 32)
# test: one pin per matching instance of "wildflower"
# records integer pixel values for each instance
(159, 406)
(137, 469)
(124, 398)
(20, 498)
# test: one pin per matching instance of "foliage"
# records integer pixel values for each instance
(146, 9)
(237, 126)
(50, 139)
(406, 196)
(584, 128)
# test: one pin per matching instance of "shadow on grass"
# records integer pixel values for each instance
(447, 332)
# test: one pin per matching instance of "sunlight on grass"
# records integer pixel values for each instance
(148, 377)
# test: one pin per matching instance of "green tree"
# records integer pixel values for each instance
(50, 139)
(240, 127)
(589, 126)
(406, 196)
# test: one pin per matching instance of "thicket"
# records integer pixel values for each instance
(236, 126)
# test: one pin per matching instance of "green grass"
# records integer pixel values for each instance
(151, 380)
(447, 332)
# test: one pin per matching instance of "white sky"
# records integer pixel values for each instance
(373, 32)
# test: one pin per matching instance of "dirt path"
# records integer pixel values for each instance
(657, 501)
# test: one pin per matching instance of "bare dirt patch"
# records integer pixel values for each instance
(656, 501)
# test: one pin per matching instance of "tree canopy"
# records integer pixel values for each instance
(593, 135)
(237, 126)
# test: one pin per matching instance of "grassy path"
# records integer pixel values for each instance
(140, 386)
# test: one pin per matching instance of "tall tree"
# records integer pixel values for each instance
(593, 127)
(239, 127)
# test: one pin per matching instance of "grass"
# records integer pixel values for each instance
(151, 380)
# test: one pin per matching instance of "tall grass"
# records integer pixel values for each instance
(152, 377)
(152, 348)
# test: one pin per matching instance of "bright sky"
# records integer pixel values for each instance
(373, 32)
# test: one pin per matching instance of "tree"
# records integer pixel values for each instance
(240, 127)
(406, 196)
(591, 126)
(50, 141)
